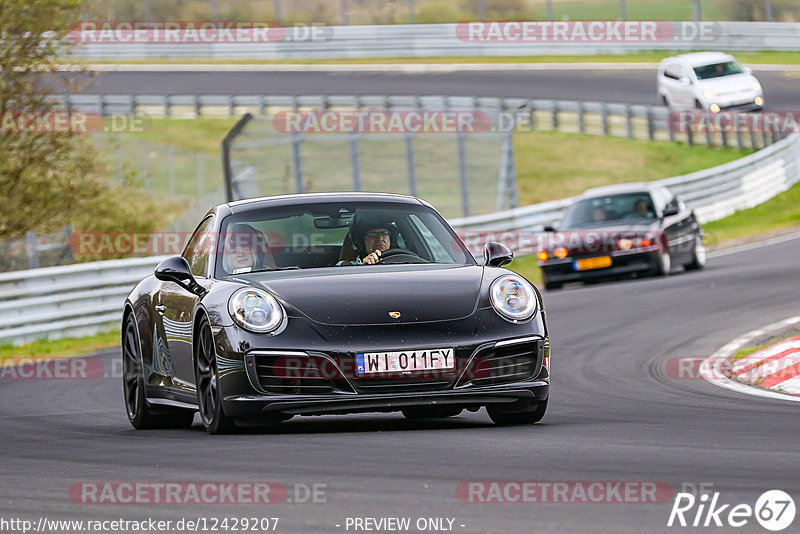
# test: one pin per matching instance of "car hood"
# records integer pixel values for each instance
(363, 295)
(728, 84)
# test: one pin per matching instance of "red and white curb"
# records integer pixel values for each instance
(777, 368)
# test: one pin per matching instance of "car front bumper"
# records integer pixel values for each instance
(515, 397)
(622, 264)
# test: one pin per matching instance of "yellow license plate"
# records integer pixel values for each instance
(592, 263)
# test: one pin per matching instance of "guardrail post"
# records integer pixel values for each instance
(709, 143)
(132, 105)
(30, 249)
(198, 107)
(628, 121)
(262, 105)
(690, 136)
(166, 106)
(604, 118)
(555, 115)
(764, 136)
(739, 139)
(724, 134)
(101, 105)
(581, 119)
(753, 142)
(231, 107)
(354, 161)
(412, 171)
(651, 128)
(462, 174)
(298, 169)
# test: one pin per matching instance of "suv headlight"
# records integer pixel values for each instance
(513, 297)
(255, 310)
(755, 87)
(710, 94)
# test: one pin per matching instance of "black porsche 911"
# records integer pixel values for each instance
(331, 304)
(621, 230)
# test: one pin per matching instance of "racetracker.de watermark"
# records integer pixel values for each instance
(697, 121)
(83, 368)
(564, 492)
(585, 31)
(71, 122)
(382, 122)
(114, 244)
(202, 492)
(138, 32)
(745, 369)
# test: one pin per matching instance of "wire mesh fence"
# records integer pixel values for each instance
(462, 174)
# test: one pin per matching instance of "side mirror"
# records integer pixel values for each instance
(176, 269)
(496, 254)
(685, 80)
(669, 211)
(549, 228)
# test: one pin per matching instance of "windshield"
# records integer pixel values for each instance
(333, 235)
(717, 70)
(598, 211)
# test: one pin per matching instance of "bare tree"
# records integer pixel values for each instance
(41, 174)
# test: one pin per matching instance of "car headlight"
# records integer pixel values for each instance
(755, 87)
(513, 298)
(255, 310)
(710, 94)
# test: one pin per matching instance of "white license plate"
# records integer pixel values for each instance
(407, 360)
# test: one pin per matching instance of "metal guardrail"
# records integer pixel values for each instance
(71, 300)
(634, 121)
(84, 298)
(713, 193)
(442, 40)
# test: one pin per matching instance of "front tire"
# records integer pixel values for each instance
(527, 417)
(209, 394)
(140, 414)
(698, 255)
(663, 264)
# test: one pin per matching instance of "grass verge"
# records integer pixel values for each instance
(61, 348)
(777, 213)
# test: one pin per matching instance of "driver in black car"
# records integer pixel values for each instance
(370, 236)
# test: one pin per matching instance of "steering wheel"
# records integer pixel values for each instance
(400, 255)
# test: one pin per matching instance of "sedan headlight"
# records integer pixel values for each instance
(755, 87)
(710, 94)
(513, 298)
(255, 310)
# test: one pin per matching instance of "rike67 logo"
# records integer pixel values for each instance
(774, 510)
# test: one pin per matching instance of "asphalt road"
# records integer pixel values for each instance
(615, 414)
(633, 86)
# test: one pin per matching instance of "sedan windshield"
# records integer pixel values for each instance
(336, 234)
(718, 70)
(601, 210)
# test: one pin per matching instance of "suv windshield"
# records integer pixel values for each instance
(334, 234)
(717, 70)
(597, 211)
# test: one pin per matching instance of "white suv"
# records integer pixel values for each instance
(708, 80)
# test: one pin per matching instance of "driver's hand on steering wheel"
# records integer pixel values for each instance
(372, 258)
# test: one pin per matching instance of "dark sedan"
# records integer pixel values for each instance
(332, 304)
(622, 230)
